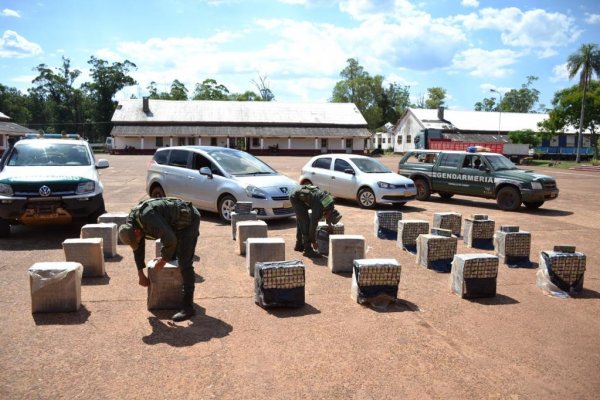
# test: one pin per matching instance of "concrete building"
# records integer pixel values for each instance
(10, 131)
(143, 125)
(474, 126)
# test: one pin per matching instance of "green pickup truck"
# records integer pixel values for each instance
(487, 175)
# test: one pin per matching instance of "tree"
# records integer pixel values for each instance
(526, 136)
(522, 100)
(107, 80)
(15, 105)
(488, 104)
(394, 101)
(566, 112)
(178, 91)
(209, 89)
(435, 97)
(263, 88)
(586, 63)
(248, 95)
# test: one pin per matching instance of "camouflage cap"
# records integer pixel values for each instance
(127, 236)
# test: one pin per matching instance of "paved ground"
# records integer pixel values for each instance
(519, 345)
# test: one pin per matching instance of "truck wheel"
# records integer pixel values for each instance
(533, 204)
(446, 196)
(226, 207)
(508, 199)
(4, 228)
(366, 198)
(423, 191)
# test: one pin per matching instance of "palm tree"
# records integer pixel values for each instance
(586, 60)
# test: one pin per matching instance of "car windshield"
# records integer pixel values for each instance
(500, 163)
(49, 154)
(370, 166)
(240, 163)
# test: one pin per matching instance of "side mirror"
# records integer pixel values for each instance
(349, 171)
(206, 171)
(102, 163)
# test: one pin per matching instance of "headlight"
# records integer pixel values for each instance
(536, 186)
(5, 190)
(86, 187)
(385, 185)
(256, 193)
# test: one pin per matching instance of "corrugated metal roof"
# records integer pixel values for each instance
(239, 131)
(241, 112)
(10, 128)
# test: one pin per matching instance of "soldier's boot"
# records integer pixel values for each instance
(299, 246)
(188, 310)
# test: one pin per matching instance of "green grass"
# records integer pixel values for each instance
(560, 164)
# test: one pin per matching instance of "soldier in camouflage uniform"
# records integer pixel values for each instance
(321, 204)
(177, 224)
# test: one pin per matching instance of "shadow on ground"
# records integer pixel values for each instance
(307, 309)
(497, 300)
(67, 318)
(200, 328)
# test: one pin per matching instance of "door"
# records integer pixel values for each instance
(342, 184)
(202, 190)
(475, 181)
(445, 176)
(176, 173)
(320, 174)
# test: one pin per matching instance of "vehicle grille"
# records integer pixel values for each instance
(283, 211)
(33, 189)
(281, 198)
(398, 198)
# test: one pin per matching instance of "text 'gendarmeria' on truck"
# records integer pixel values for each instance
(479, 174)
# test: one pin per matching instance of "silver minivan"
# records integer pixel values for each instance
(215, 178)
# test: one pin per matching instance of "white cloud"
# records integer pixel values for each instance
(13, 45)
(560, 73)
(592, 18)
(533, 29)
(7, 12)
(469, 3)
(485, 63)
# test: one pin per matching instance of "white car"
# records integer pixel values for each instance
(215, 178)
(359, 178)
(49, 179)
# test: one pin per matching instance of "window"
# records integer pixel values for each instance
(324, 144)
(408, 138)
(159, 142)
(213, 141)
(324, 163)
(160, 157)
(383, 140)
(450, 160)
(341, 165)
(399, 140)
(349, 143)
(255, 142)
(178, 158)
(181, 141)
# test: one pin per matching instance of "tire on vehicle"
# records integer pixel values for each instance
(423, 191)
(226, 206)
(533, 204)
(508, 198)
(366, 198)
(157, 191)
(4, 228)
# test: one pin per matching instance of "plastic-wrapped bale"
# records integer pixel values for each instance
(87, 252)
(250, 229)
(448, 220)
(166, 287)
(323, 235)
(479, 232)
(474, 275)
(262, 250)
(375, 280)
(343, 250)
(55, 286)
(243, 207)
(408, 232)
(435, 251)
(513, 246)
(236, 217)
(119, 218)
(279, 284)
(386, 224)
(106, 231)
(561, 271)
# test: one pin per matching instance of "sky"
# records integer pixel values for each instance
(467, 47)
